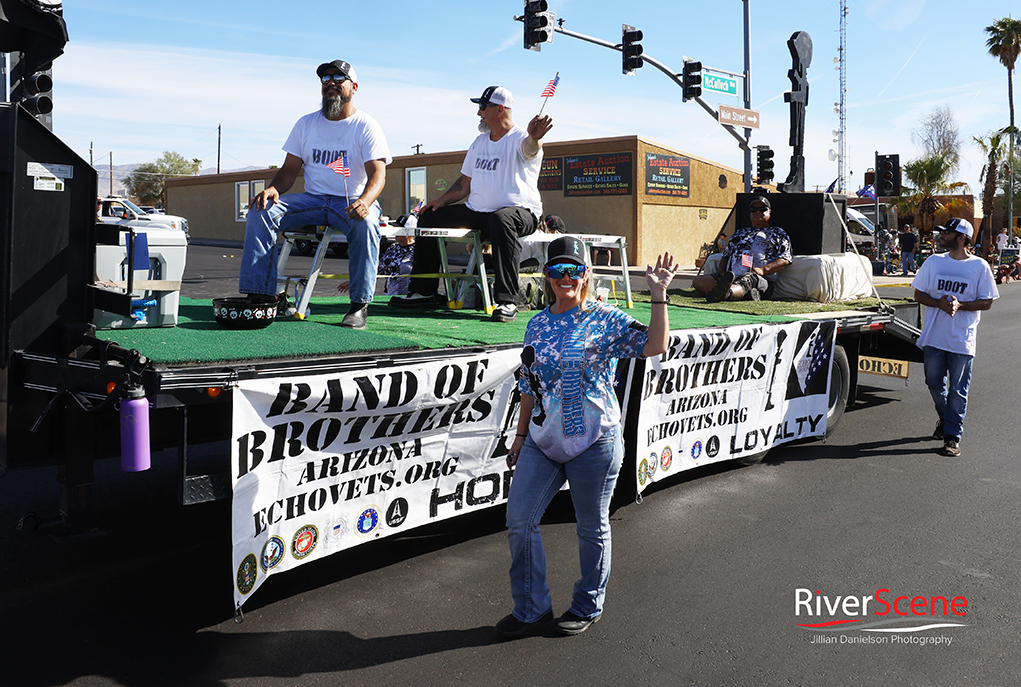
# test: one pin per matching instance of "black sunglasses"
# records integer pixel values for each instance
(336, 78)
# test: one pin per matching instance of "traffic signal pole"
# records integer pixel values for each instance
(743, 141)
(747, 91)
(676, 77)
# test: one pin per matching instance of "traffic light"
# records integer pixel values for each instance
(34, 90)
(691, 79)
(764, 164)
(630, 50)
(538, 24)
(887, 175)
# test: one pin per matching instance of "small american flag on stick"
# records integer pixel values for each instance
(548, 92)
(551, 87)
(340, 166)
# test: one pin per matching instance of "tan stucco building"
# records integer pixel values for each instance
(658, 198)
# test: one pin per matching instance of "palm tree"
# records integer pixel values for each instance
(1004, 44)
(929, 181)
(992, 148)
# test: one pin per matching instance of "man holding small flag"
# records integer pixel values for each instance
(751, 261)
(500, 182)
(344, 154)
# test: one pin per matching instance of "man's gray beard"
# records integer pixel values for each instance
(333, 106)
(483, 127)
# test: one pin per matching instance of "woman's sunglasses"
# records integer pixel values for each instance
(566, 270)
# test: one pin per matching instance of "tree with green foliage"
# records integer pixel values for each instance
(1004, 44)
(928, 186)
(147, 182)
(993, 148)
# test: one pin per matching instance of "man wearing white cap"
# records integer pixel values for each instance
(344, 154)
(955, 287)
(500, 180)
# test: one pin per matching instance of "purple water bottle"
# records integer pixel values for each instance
(135, 455)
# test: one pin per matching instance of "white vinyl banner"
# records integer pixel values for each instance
(324, 463)
(721, 393)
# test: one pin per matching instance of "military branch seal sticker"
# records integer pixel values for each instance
(304, 541)
(696, 450)
(368, 521)
(666, 459)
(272, 553)
(247, 572)
(397, 513)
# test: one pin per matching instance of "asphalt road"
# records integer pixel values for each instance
(703, 592)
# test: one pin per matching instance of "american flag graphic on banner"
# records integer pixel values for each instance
(340, 166)
(551, 87)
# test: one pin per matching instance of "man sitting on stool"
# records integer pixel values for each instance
(499, 178)
(751, 261)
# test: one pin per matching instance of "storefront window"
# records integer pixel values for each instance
(415, 177)
(241, 199)
(244, 191)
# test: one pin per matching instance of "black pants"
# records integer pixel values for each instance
(501, 229)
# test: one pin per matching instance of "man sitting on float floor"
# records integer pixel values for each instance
(751, 261)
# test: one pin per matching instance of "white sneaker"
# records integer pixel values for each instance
(505, 312)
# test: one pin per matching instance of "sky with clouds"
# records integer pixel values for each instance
(139, 77)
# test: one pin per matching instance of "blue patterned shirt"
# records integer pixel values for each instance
(759, 247)
(568, 366)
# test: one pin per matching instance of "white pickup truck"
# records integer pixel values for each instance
(120, 210)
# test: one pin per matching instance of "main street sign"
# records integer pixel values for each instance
(736, 116)
(719, 83)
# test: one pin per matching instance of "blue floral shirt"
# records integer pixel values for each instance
(568, 366)
(750, 247)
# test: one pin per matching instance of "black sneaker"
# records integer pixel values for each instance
(951, 447)
(510, 627)
(571, 624)
(722, 291)
(505, 312)
(938, 432)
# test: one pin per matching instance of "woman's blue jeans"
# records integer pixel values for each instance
(296, 210)
(592, 476)
(948, 376)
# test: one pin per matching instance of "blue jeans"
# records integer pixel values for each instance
(907, 262)
(296, 210)
(592, 476)
(948, 376)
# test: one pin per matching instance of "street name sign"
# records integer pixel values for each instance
(736, 116)
(719, 84)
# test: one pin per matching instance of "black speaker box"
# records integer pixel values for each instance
(810, 220)
(47, 220)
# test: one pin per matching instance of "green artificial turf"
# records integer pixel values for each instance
(198, 338)
(690, 298)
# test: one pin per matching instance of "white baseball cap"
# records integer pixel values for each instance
(961, 226)
(495, 95)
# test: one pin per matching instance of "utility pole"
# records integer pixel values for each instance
(219, 132)
(674, 76)
(111, 172)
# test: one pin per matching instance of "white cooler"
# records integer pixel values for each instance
(159, 281)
